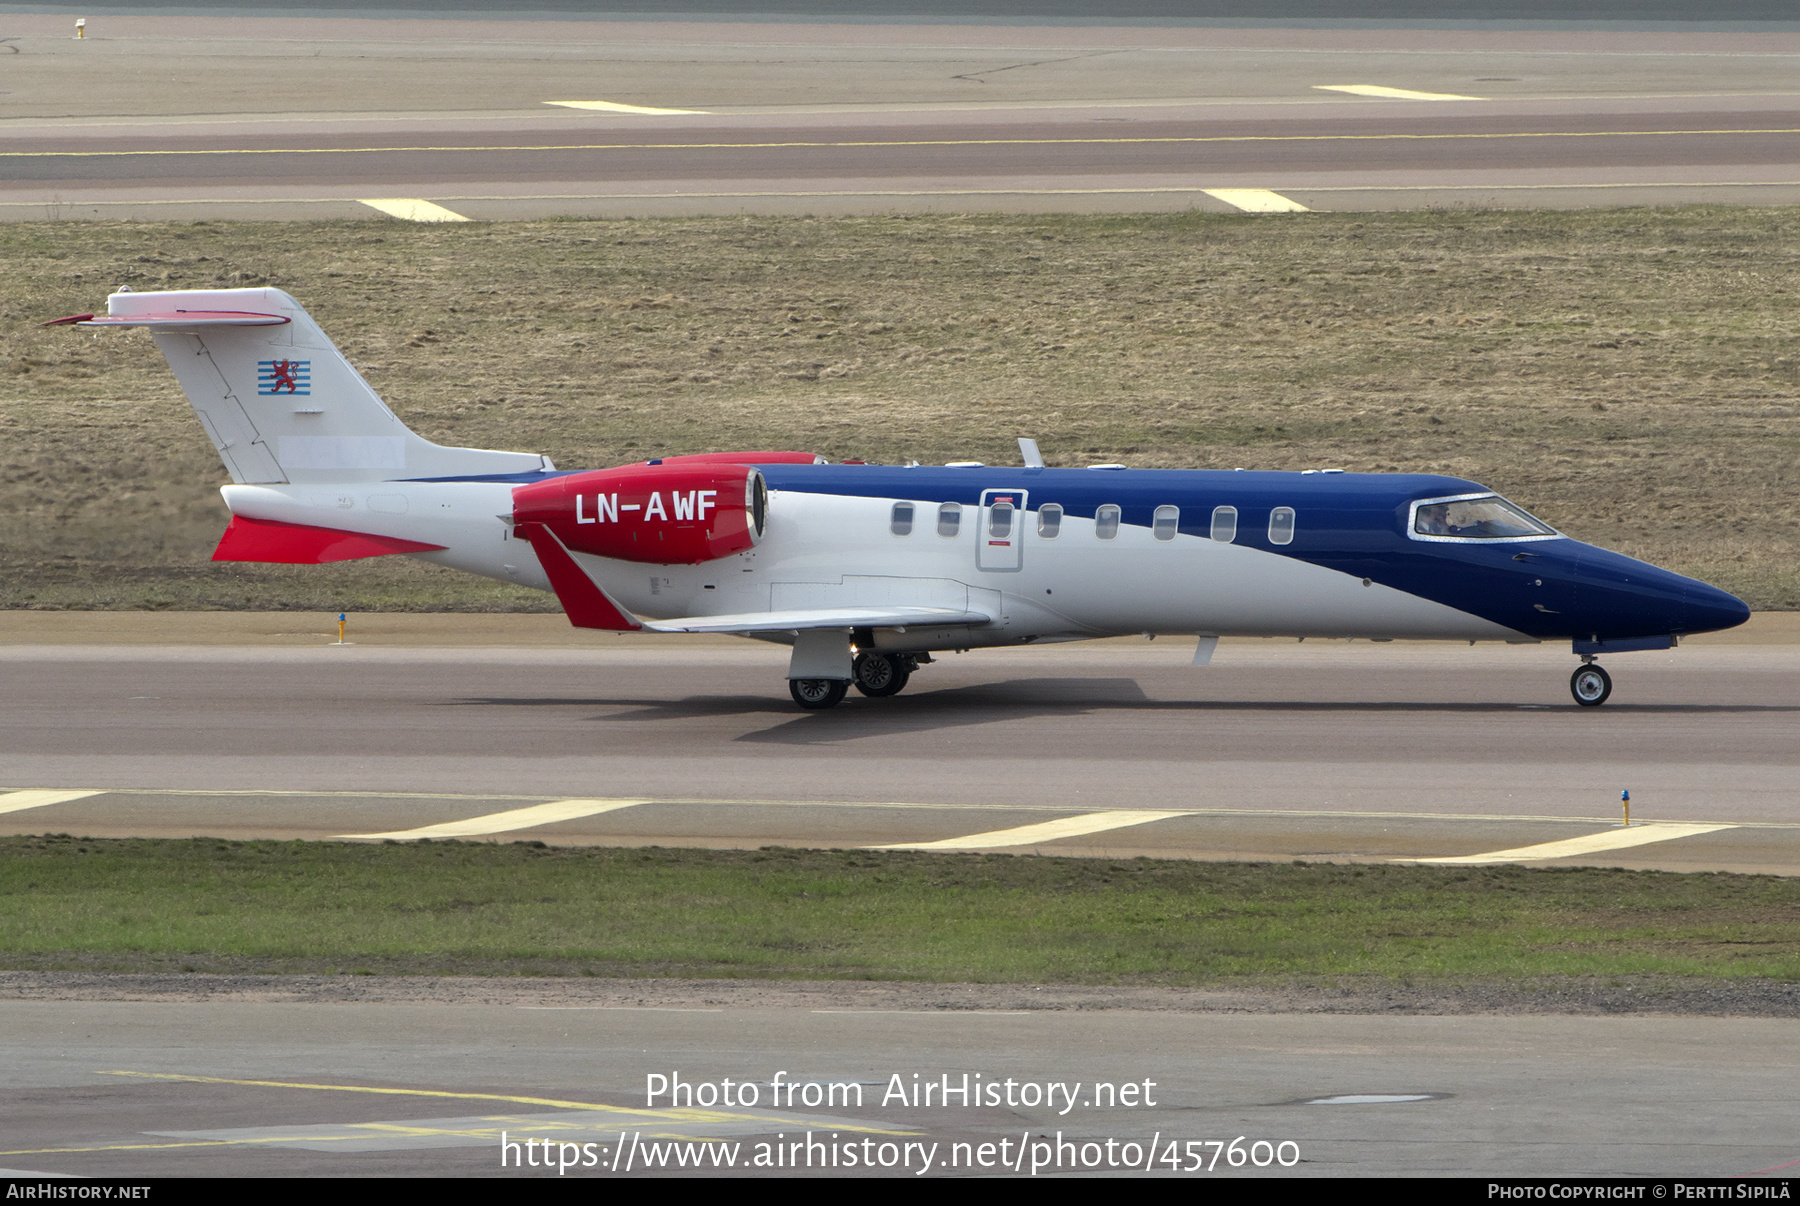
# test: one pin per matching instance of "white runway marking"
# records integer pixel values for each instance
(1256, 200)
(8, 208)
(616, 107)
(623, 1008)
(15, 801)
(986, 1013)
(506, 822)
(1339, 813)
(1370, 1099)
(1044, 831)
(411, 209)
(1593, 843)
(1392, 93)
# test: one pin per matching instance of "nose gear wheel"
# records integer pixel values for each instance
(1590, 685)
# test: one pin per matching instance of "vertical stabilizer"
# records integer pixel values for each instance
(279, 401)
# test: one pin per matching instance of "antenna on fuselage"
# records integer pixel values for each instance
(1029, 450)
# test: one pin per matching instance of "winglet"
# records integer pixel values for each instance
(586, 604)
(1029, 450)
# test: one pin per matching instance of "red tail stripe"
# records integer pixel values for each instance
(300, 544)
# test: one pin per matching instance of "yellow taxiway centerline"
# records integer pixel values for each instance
(506, 822)
(1044, 831)
(668, 1115)
(1178, 189)
(904, 142)
(1333, 813)
(1614, 839)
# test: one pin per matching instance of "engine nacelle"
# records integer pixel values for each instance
(660, 514)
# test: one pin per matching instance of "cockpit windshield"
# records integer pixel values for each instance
(1488, 517)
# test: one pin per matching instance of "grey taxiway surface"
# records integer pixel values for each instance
(237, 1088)
(1277, 750)
(181, 116)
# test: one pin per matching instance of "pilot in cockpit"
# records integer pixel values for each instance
(1433, 520)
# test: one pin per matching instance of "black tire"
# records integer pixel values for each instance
(1590, 685)
(877, 674)
(817, 694)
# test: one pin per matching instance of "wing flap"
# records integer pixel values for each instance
(589, 606)
(822, 617)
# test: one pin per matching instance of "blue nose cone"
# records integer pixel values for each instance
(1707, 609)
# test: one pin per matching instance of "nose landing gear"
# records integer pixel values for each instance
(1590, 684)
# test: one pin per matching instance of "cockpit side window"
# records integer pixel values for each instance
(1475, 517)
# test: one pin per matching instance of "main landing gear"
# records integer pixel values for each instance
(875, 675)
(817, 694)
(879, 674)
(1590, 685)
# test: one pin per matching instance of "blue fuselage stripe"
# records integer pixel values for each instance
(1354, 523)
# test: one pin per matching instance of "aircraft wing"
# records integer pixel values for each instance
(822, 617)
(589, 606)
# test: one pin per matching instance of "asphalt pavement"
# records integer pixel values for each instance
(1333, 751)
(176, 115)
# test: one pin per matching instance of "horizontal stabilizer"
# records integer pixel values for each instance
(821, 617)
(174, 320)
(300, 544)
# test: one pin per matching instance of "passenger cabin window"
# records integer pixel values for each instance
(949, 519)
(1489, 518)
(1224, 526)
(1106, 522)
(1281, 525)
(902, 521)
(1049, 521)
(1000, 520)
(1166, 523)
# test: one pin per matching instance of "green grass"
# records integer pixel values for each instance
(1629, 374)
(524, 908)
